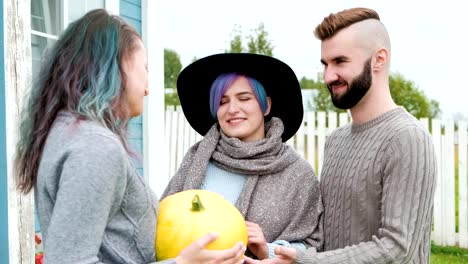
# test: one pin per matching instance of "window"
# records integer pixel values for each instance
(50, 17)
(45, 27)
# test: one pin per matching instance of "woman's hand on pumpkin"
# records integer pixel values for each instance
(196, 253)
(284, 255)
(256, 242)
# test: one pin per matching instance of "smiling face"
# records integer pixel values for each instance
(239, 113)
(347, 69)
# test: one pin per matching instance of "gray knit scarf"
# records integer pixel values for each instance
(276, 177)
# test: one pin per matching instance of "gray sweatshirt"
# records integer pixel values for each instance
(92, 205)
(377, 183)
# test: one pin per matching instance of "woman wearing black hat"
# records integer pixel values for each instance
(246, 106)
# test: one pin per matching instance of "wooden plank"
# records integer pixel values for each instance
(17, 80)
(187, 142)
(290, 142)
(332, 122)
(321, 136)
(343, 119)
(131, 9)
(180, 136)
(438, 213)
(4, 228)
(168, 138)
(448, 169)
(173, 161)
(310, 133)
(462, 185)
(194, 137)
(134, 131)
(300, 140)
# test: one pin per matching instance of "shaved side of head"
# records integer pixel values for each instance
(371, 35)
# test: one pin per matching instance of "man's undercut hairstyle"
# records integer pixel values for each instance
(336, 22)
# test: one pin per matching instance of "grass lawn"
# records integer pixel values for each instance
(448, 255)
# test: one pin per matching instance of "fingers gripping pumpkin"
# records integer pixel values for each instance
(186, 216)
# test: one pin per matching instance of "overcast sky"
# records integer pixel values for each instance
(429, 38)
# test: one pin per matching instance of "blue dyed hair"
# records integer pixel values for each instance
(82, 74)
(224, 81)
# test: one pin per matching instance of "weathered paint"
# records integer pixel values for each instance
(17, 73)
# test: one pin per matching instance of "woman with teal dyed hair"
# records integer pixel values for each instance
(72, 150)
(246, 106)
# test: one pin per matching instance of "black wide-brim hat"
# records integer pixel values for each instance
(278, 79)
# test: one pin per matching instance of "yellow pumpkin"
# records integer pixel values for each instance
(186, 216)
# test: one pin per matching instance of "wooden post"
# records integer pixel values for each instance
(311, 148)
(438, 233)
(322, 132)
(448, 177)
(17, 17)
(155, 157)
(462, 185)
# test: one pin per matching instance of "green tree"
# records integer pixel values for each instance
(235, 46)
(307, 83)
(171, 98)
(404, 92)
(172, 68)
(257, 42)
(407, 94)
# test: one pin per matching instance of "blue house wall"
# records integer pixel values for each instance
(4, 258)
(130, 10)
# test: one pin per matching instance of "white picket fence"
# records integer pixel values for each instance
(451, 149)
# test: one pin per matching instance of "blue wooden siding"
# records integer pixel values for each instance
(130, 10)
(4, 258)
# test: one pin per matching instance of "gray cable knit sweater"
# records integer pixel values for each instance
(92, 205)
(378, 186)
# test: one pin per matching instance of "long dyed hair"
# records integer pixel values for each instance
(224, 81)
(82, 73)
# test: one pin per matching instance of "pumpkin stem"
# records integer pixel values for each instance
(197, 205)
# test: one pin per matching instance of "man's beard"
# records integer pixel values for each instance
(354, 92)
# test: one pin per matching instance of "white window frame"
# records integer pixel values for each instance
(113, 6)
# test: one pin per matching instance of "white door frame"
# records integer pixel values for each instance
(154, 156)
